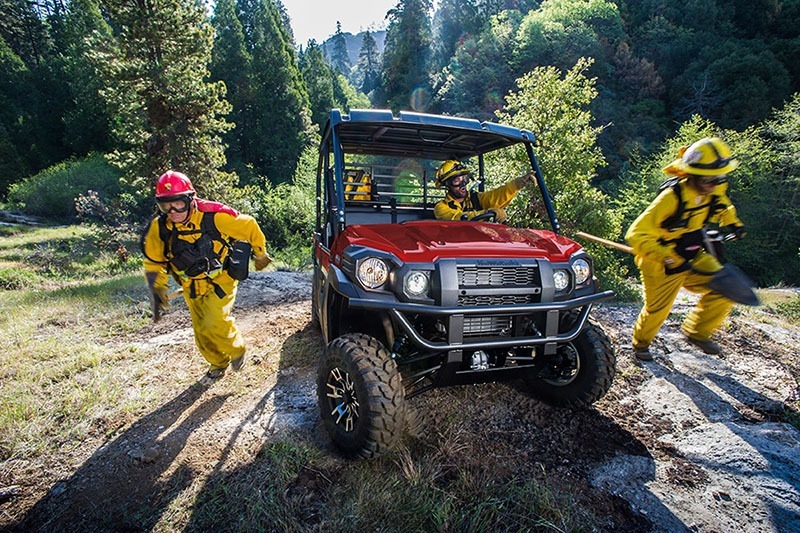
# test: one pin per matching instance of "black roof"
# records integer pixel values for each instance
(408, 134)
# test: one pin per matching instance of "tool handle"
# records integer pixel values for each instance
(613, 244)
(175, 293)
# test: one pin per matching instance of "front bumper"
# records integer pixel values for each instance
(550, 337)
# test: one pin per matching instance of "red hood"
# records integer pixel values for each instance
(427, 241)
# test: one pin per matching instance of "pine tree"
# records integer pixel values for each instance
(87, 119)
(287, 22)
(230, 63)
(169, 115)
(24, 31)
(12, 116)
(368, 67)
(280, 118)
(453, 21)
(405, 56)
(318, 80)
(340, 59)
(41, 94)
(246, 13)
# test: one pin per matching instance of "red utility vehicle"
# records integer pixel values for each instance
(407, 303)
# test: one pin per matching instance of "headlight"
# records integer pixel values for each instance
(372, 272)
(416, 284)
(561, 280)
(582, 271)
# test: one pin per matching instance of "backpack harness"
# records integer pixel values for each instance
(688, 244)
(474, 204)
(197, 257)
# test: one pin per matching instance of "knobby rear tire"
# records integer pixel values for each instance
(597, 367)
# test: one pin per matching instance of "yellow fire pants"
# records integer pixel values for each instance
(215, 332)
(660, 291)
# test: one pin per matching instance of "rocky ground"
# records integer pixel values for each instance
(686, 442)
(720, 457)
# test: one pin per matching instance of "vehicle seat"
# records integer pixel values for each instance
(358, 186)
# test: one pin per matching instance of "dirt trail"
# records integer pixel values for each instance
(692, 442)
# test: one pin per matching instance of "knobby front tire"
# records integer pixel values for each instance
(361, 396)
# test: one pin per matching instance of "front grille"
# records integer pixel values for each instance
(496, 276)
(480, 326)
(502, 284)
(505, 299)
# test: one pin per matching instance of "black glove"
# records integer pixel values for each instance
(673, 268)
(159, 300)
(738, 231)
(499, 214)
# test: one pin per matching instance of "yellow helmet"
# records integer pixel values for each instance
(449, 169)
(707, 157)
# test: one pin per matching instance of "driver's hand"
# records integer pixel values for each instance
(524, 181)
(499, 214)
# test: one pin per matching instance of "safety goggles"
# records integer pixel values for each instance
(458, 181)
(177, 204)
(713, 180)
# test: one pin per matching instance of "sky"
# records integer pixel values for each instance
(316, 19)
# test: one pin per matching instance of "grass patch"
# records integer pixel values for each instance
(62, 302)
(56, 362)
(43, 256)
(777, 304)
(789, 309)
(9, 229)
(292, 487)
(12, 279)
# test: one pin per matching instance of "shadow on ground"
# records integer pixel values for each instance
(122, 485)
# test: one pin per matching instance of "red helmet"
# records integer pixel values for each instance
(173, 183)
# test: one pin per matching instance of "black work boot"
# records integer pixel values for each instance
(237, 364)
(643, 353)
(215, 372)
(708, 346)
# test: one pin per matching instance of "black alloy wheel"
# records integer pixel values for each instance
(361, 396)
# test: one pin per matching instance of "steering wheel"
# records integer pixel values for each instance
(488, 216)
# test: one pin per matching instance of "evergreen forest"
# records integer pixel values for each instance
(99, 97)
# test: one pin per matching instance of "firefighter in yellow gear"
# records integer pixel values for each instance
(460, 204)
(191, 240)
(668, 243)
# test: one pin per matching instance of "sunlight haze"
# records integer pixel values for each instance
(317, 19)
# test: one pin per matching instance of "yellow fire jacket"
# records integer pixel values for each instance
(653, 235)
(241, 227)
(450, 209)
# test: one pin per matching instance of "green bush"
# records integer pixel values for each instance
(15, 279)
(51, 193)
(790, 309)
(285, 212)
